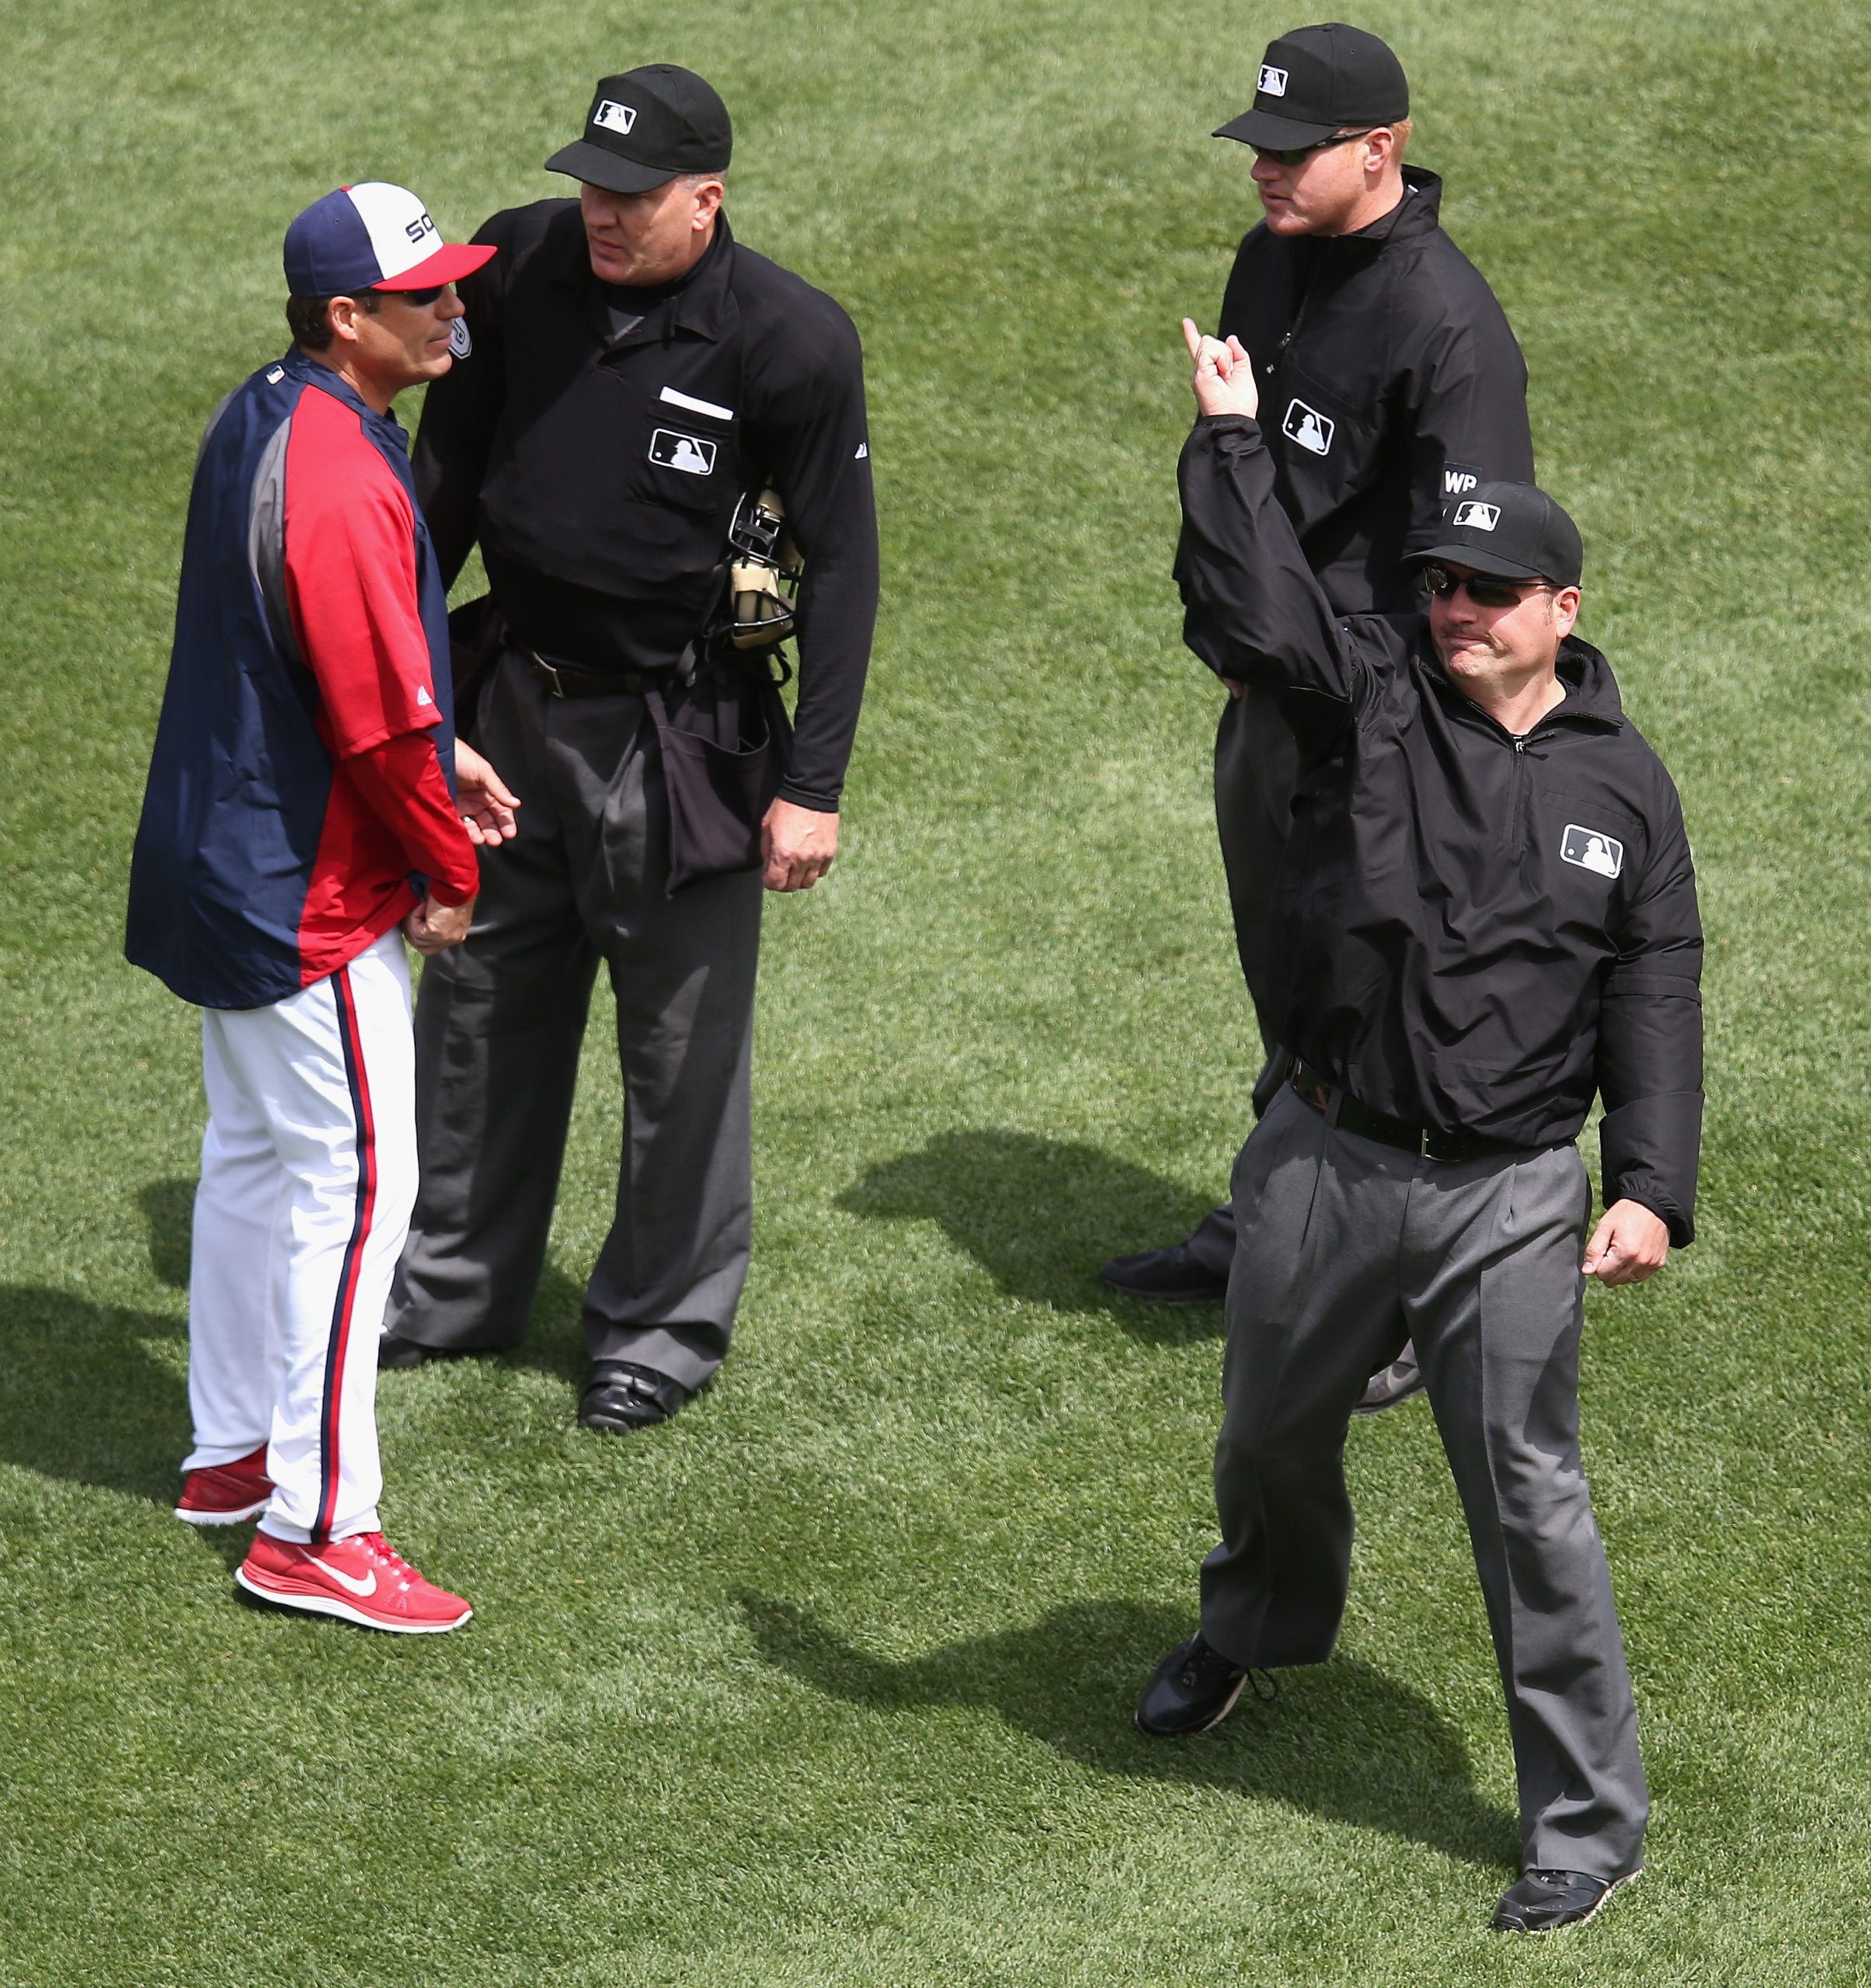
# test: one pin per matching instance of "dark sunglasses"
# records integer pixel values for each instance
(416, 297)
(1298, 154)
(1484, 589)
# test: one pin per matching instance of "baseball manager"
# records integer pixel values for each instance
(1486, 913)
(301, 816)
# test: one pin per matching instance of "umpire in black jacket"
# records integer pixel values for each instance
(1486, 913)
(1392, 384)
(630, 374)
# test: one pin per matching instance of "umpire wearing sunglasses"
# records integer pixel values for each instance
(1485, 915)
(1392, 385)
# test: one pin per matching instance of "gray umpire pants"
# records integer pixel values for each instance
(1349, 1246)
(499, 1023)
(1257, 767)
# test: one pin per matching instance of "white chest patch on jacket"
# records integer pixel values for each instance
(673, 450)
(1591, 848)
(1308, 427)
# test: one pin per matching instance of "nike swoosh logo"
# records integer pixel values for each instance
(360, 1586)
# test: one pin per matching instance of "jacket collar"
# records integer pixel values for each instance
(1415, 217)
(700, 306)
(1591, 690)
(302, 367)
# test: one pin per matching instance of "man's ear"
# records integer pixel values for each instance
(1565, 609)
(708, 197)
(1383, 149)
(342, 314)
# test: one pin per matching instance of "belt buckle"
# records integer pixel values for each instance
(1318, 1095)
(553, 685)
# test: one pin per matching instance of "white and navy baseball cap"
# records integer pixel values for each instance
(374, 236)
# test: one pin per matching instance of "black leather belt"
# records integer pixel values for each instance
(568, 680)
(1344, 1111)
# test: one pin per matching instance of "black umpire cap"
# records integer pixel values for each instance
(645, 126)
(1512, 530)
(1318, 81)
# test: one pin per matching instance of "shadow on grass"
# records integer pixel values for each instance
(554, 1343)
(1342, 1740)
(88, 1398)
(85, 1398)
(1040, 1216)
(169, 1206)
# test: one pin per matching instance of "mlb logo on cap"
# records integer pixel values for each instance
(613, 117)
(1273, 82)
(1511, 531)
(374, 236)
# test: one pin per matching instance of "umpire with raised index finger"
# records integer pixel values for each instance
(627, 387)
(1486, 913)
(1393, 383)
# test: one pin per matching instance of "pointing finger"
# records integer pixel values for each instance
(1191, 338)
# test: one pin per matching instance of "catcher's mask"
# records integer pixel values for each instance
(763, 571)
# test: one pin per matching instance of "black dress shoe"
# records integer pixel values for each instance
(394, 1350)
(1545, 1901)
(619, 1395)
(1389, 1386)
(1193, 1688)
(1165, 1277)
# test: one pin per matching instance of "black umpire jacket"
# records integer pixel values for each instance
(595, 440)
(1389, 380)
(1475, 931)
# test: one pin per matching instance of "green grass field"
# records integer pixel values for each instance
(829, 1682)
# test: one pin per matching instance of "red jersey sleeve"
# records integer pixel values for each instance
(401, 784)
(351, 581)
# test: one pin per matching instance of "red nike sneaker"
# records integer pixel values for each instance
(227, 1493)
(362, 1580)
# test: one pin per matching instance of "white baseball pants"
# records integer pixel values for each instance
(308, 1178)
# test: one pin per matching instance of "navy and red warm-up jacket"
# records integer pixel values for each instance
(300, 795)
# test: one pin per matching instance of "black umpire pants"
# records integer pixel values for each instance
(1348, 1247)
(500, 1024)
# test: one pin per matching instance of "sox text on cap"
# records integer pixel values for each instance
(374, 236)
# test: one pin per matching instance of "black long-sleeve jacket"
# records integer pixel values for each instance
(597, 454)
(1476, 931)
(1390, 381)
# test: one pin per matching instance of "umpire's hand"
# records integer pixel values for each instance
(1628, 1245)
(1224, 375)
(486, 801)
(798, 844)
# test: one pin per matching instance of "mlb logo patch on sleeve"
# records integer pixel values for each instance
(691, 453)
(1591, 848)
